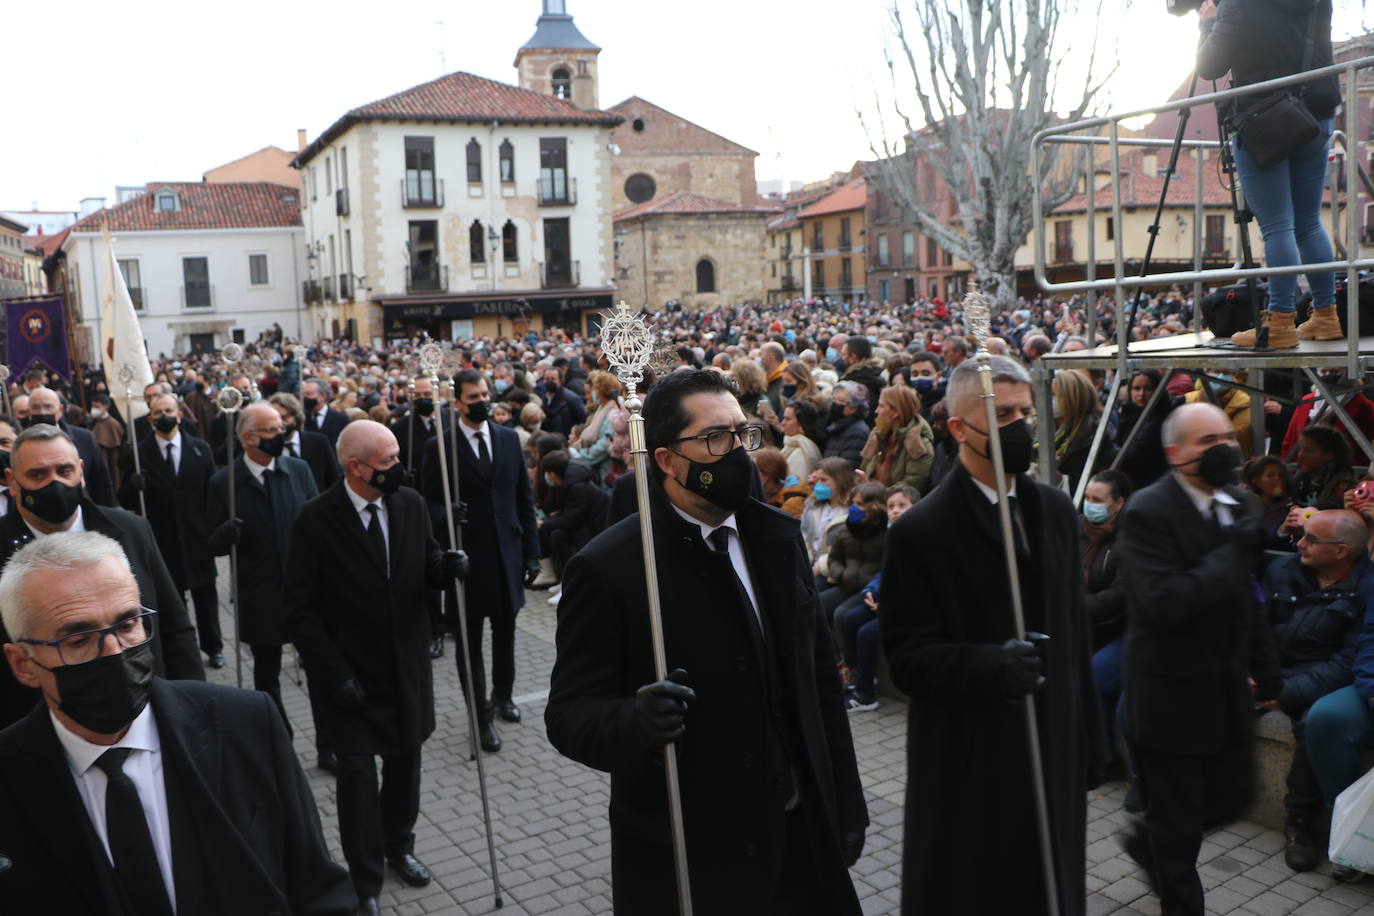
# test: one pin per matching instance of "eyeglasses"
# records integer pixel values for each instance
(1317, 541)
(722, 441)
(270, 430)
(88, 645)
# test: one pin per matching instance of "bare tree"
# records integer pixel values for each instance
(985, 75)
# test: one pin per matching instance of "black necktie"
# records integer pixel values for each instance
(483, 455)
(169, 458)
(720, 543)
(131, 843)
(375, 536)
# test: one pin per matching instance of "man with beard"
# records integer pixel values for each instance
(951, 643)
(1195, 638)
(753, 709)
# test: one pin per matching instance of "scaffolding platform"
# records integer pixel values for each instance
(1192, 350)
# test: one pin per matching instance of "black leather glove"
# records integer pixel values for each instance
(460, 513)
(661, 708)
(137, 482)
(851, 847)
(350, 696)
(456, 565)
(531, 568)
(228, 533)
(1022, 668)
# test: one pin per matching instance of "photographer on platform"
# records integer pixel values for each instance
(1258, 40)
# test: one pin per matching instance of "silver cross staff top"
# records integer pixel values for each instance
(126, 374)
(977, 315)
(628, 344)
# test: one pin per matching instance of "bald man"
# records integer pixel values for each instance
(45, 406)
(1188, 548)
(362, 563)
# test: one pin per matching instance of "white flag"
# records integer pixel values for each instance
(122, 352)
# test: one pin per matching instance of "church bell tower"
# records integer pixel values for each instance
(559, 60)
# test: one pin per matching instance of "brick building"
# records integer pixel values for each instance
(661, 153)
(834, 242)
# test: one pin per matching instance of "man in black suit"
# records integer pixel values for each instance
(269, 490)
(774, 812)
(44, 480)
(175, 483)
(500, 536)
(141, 795)
(45, 406)
(952, 646)
(563, 408)
(414, 429)
(143, 426)
(362, 561)
(319, 416)
(312, 448)
(1196, 636)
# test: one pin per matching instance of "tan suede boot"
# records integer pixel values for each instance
(1282, 334)
(1324, 324)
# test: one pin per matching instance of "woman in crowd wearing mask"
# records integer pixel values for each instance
(1323, 463)
(826, 511)
(531, 418)
(1144, 460)
(857, 552)
(801, 438)
(750, 381)
(798, 384)
(846, 432)
(901, 448)
(1236, 403)
(857, 622)
(1105, 595)
(1077, 411)
(1267, 477)
(773, 474)
(599, 433)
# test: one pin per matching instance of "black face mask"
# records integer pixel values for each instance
(106, 694)
(35, 418)
(165, 424)
(836, 412)
(273, 446)
(723, 482)
(4, 460)
(424, 406)
(788, 391)
(1018, 446)
(1218, 465)
(478, 411)
(311, 405)
(54, 503)
(389, 480)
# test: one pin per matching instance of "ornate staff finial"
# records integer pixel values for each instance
(4, 373)
(628, 344)
(125, 374)
(977, 314)
(432, 358)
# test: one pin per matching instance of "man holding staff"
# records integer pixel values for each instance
(773, 808)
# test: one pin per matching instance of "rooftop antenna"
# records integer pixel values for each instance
(443, 59)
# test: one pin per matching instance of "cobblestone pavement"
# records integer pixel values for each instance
(553, 844)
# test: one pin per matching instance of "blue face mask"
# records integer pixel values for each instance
(857, 515)
(1097, 513)
(923, 383)
(501, 385)
(790, 480)
(831, 354)
(822, 492)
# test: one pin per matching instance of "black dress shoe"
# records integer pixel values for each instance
(329, 763)
(368, 907)
(506, 709)
(1135, 842)
(488, 736)
(216, 659)
(437, 649)
(410, 869)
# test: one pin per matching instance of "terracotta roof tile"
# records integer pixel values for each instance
(853, 196)
(688, 202)
(1140, 188)
(233, 205)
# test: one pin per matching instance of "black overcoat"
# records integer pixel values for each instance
(318, 452)
(349, 620)
(245, 831)
(176, 652)
(945, 608)
(176, 505)
(263, 542)
(500, 533)
(748, 700)
(97, 473)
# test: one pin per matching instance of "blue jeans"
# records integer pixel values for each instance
(862, 638)
(1338, 726)
(1107, 663)
(1287, 201)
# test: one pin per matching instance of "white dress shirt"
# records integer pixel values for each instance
(4, 503)
(293, 444)
(78, 523)
(143, 767)
(175, 443)
(257, 470)
(360, 506)
(471, 434)
(736, 551)
(1220, 501)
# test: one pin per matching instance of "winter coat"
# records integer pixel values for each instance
(1258, 40)
(821, 523)
(868, 373)
(915, 453)
(582, 506)
(856, 556)
(1105, 598)
(1316, 630)
(845, 438)
(803, 455)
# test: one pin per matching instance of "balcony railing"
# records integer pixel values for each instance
(198, 296)
(329, 288)
(311, 293)
(341, 202)
(845, 243)
(419, 195)
(789, 282)
(427, 278)
(559, 275)
(558, 191)
(345, 288)
(138, 296)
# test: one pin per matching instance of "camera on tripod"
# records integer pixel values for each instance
(1182, 7)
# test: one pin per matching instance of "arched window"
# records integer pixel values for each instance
(706, 276)
(507, 159)
(477, 243)
(508, 246)
(562, 84)
(640, 187)
(474, 161)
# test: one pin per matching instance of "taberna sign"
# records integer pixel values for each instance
(478, 308)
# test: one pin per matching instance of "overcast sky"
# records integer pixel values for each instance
(147, 90)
